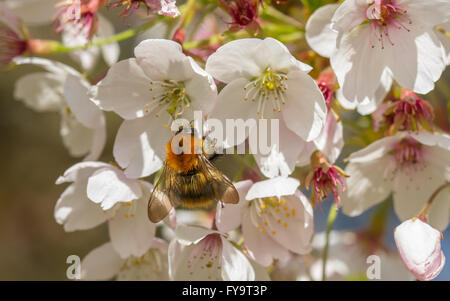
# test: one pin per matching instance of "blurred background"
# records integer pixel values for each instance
(32, 245)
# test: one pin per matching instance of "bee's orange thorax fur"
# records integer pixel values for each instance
(186, 161)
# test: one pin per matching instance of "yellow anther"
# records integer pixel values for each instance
(266, 224)
(285, 225)
(293, 212)
(273, 232)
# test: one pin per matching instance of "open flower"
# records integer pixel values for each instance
(411, 165)
(104, 263)
(101, 192)
(375, 40)
(265, 81)
(275, 217)
(202, 254)
(161, 7)
(419, 246)
(62, 89)
(159, 85)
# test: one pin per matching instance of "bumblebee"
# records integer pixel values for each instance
(188, 179)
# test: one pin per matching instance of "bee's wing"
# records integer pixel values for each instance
(159, 204)
(222, 186)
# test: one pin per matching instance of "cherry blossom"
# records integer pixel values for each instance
(275, 217)
(100, 192)
(60, 88)
(104, 263)
(382, 36)
(411, 165)
(158, 88)
(265, 81)
(202, 254)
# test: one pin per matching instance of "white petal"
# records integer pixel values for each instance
(231, 105)
(76, 95)
(375, 150)
(132, 233)
(368, 184)
(80, 171)
(75, 211)
(319, 35)
(274, 54)
(98, 142)
(277, 187)
(413, 187)
(229, 216)
(201, 90)
(124, 81)
(433, 139)
(432, 12)
(109, 186)
(282, 157)
(261, 247)
(291, 226)
(132, 148)
(419, 246)
(304, 112)
(77, 138)
(234, 60)
(41, 91)
(331, 141)
(191, 234)
(351, 61)
(349, 14)
(163, 59)
(235, 266)
(419, 58)
(102, 263)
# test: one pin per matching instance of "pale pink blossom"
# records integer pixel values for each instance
(101, 192)
(409, 165)
(275, 217)
(370, 42)
(198, 253)
(104, 263)
(419, 246)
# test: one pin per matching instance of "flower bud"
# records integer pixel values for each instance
(419, 246)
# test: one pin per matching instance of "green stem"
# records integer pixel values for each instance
(330, 222)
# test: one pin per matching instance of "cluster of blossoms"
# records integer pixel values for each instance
(373, 57)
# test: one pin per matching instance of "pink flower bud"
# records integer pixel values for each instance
(419, 246)
(12, 38)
